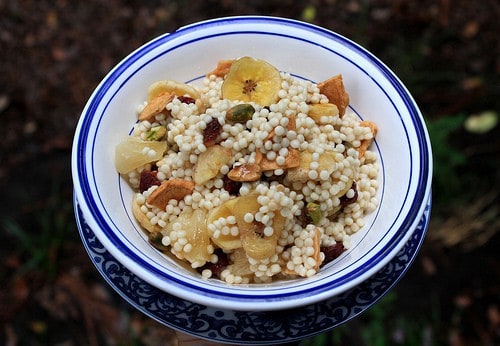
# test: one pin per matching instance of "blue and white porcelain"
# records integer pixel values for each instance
(243, 327)
(306, 51)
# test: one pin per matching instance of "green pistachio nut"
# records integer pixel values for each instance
(156, 133)
(240, 113)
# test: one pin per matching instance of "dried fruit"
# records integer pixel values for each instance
(186, 99)
(155, 106)
(224, 241)
(210, 162)
(332, 252)
(344, 200)
(240, 264)
(252, 80)
(219, 266)
(245, 172)
(317, 111)
(240, 113)
(211, 132)
(142, 218)
(222, 68)
(170, 189)
(148, 179)
(171, 87)
(195, 226)
(256, 244)
(291, 161)
(333, 88)
(231, 186)
(365, 143)
(133, 152)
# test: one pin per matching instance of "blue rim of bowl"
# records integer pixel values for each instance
(80, 170)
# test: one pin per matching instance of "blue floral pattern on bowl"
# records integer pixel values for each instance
(244, 327)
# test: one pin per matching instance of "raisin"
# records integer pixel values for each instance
(332, 252)
(231, 186)
(186, 99)
(148, 179)
(218, 267)
(345, 201)
(211, 132)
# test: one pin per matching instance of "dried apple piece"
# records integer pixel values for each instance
(256, 244)
(173, 88)
(210, 162)
(224, 241)
(189, 239)
(142, 218)
(222, 68)
(245, 172)
(156, 106)
(319, 110)
(365, 143)
(170, 189)
(333, 88)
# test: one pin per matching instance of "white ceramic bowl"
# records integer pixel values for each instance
(306, 51)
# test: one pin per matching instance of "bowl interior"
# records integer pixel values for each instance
(305, 51)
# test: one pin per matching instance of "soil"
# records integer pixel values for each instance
(53, 55)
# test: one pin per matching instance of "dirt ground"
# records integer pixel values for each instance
(54, 53)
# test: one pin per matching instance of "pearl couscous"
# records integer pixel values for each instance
(249, 192)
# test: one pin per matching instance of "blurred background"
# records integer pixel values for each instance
(54, 53)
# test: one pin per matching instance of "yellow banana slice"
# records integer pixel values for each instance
(252, 80)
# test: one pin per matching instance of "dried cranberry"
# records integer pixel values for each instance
(211, 132)
(231, 186)
(148, 179)
(332, 252)
(344, 200)
(218, 267)
(186, 99)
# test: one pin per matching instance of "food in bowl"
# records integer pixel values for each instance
(255, 176)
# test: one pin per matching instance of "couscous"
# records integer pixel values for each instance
(255, 176)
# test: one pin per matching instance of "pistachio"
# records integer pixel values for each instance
(156, 133)
(240, 113)
(313, 211)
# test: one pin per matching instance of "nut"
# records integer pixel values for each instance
(156, 133)
(240, 113)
